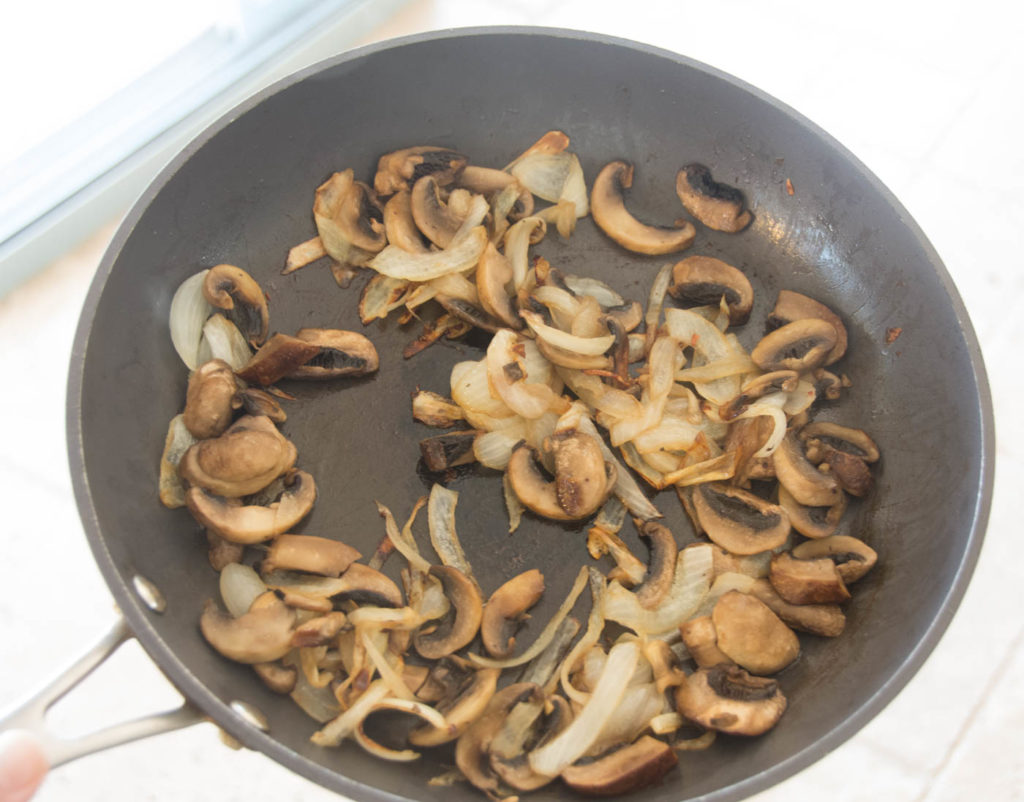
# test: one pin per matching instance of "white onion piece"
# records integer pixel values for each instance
(601, 397)
(513, 505)
(724, 582)
(471, 390)
(595, 625)
(543, 669)
(611, 516)
(538, 429)
(647, 472)
(801, 397)
(716, 469)
(656, 300)
(524, 397)
(563, 215)
(381, 296)
(444, 538)
(596, 289)
(387, 671)
(663, 461)
(320, 704)
(626, 487)
(494, 449)
(664, 723)
(554, 177)
(478, 209)
(573, 742)
(461, 255)
(384, 617)
(631, 716)
(770, 406)
(586, 346)
(694, 568)
(671, 434)
(692, 330)
(661, 367)
(456, 285)
(340, 728)
(537, 367)
(629, 428)
(587, 322)
(574, 189)
(189, 311)
(719, 369)
(240, 585)
(563, 305)
(517, 245)
(402, 546)
(225, 342)
(179, 439)
(546, 635)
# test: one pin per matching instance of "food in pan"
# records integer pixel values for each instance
(580, 398)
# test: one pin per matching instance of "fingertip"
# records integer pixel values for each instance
(23, 766)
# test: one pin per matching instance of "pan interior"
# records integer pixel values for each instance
(244, 196)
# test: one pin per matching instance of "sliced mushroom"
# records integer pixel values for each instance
(445, 451)
(728, 699)
(528, 726)
(341, 353)
(827, 385)
(437, 220)
(757, 387)
(401, 169)
(792, 306)
(826, 620)
(813, 522)
(253, 524)
(821, 438)
(706, 280)
(259, 402)
(804, 482)
(278, 357)
(751, 635)
(280, 679)
(259, 636)
(623, 769)
(716, 205)
(852, 473)
(739, 521)
(586, 478)
(661, 566)
(802, 345)
(368, 586)
(493, 278)
(435, 409)
(246, 458)
(318, 631)
(222, 553)
(349, 219)
(701, 641)
(472, 748)
(444, 679)
(460, 709)
(745, 438)
(853, 557)
(809, 581)
(470, 313)
(400, 226)
(211, 399)
(314, 555)
(488, 181)
(505, 610)
(461, 623)
(236, 292)
(612, 217)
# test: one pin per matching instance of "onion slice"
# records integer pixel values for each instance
(189, 311)
(225, 341)
(441, 522)
(626, 487)
(595, 625)
(461, 255)
(340, 728)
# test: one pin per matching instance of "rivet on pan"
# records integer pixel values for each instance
(149, 593)
(250, 714)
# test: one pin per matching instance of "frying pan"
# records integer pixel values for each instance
(242, 192)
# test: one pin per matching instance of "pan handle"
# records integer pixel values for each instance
(31, 714)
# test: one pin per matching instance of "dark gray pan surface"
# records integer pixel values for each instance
(243, 193)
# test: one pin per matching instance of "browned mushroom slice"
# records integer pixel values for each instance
(751, 635)
(612, 217)
(779, 380)
(728, 699)
(278, 357)
(400, 226)
(314, 555)
(253, 524)
(488, 181)
(804, 482)
(716, 205)
(341, 353)
(318, 631)
(583, 478)
(827, 385)
(852, 556)
(434, 218)
(246, 458)
(810, 581)
(506, 609)
(259, 402)
(822, 437)
(739, 521)
(220, 552)
(467, 312)
(529, 725)
(365, 585)
(701, 640)
(236, 292)
(622, 769)
(544, 497)
(401, 169)
(813, 522)
(349, 219)
(211, 399)
(802, 345)
(826, 620)
(661, 566)
(706, 280)
(460, 708)
(435, 409)
(449, 450)
(259, 636)
(745, 438)
(461, 623)
(792, 306)
(852, 473)
(279, 678)
(493, 279)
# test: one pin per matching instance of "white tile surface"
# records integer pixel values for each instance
(928, 96)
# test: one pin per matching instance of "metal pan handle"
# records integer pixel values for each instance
(31, 714)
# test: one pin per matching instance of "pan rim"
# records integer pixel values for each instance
(140, 618)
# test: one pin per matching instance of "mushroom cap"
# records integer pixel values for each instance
(612, 217)
(716, 205)
(801, 345)
(853, 557)
(705, 280)
(278, 357)
(813, 580)
(314, 555)
(236, 292)
(506, 608)
(583, 478)
(253, 524)
(437, 220)
(259, 402)
(341, 353)
(622, 769)
(259, 636)
(489, 181)
(279, 678)
(461, 624)
(728, 699)
(400, 226)
(701, 640)
(826, 620)
(349, 219)
(804, 482)
(365, 585)
(661, 565)
(751, 635)
(401, 169)
(460, 709)
(532, 487)
(449, 450)
(493, 277)
(792, 306)
(211, 399)
(825, 437)
(739, 521)
(814, 522)
(243, 460)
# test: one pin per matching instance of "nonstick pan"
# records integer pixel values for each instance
(242, 194)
